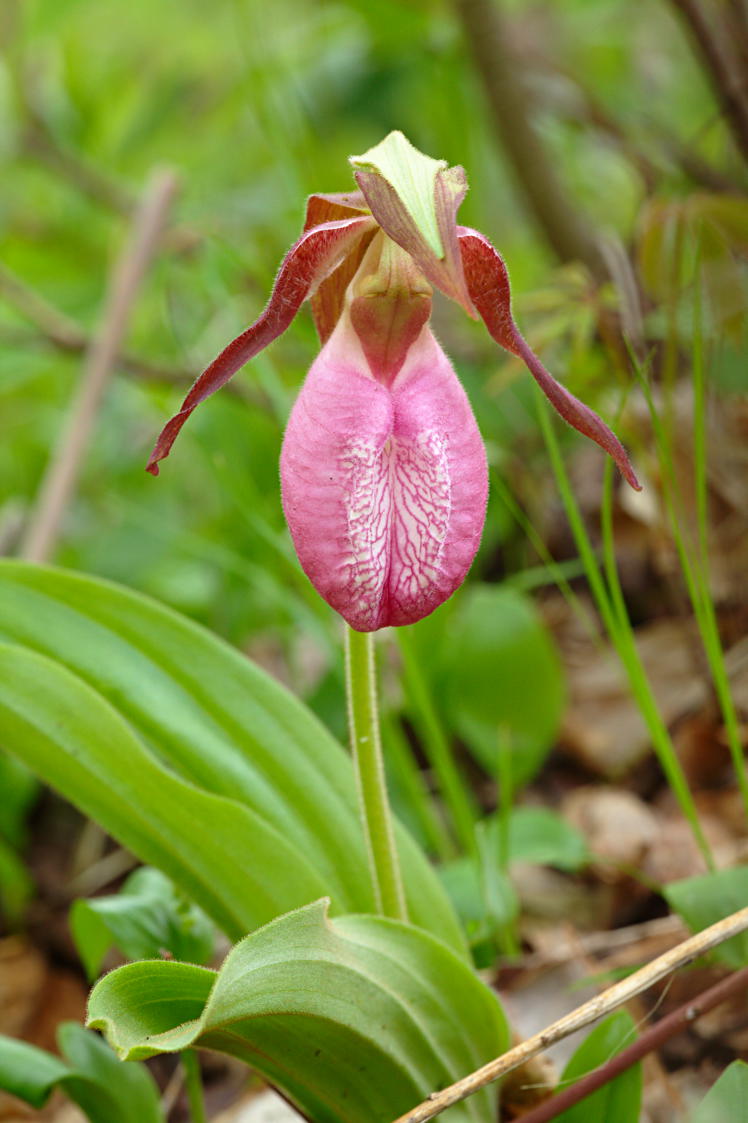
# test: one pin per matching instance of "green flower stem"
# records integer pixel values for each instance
(194, 1086)
(363, 719)
(609, 599)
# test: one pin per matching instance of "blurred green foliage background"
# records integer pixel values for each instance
(256, 106)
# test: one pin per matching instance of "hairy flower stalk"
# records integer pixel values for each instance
(383, 471)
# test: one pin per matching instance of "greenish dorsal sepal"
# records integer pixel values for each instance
(412, 174)
(355, 1019)
(415, 198)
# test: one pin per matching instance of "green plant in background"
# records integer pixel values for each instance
(212, 544)
(413, 503)
(87, 1071)
(19, 789)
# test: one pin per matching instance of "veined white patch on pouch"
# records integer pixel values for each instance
(398, 502)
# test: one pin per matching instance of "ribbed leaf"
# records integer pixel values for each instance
(356, 1019)
(190, 755)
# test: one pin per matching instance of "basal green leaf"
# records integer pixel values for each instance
(355, 1019)
(216, 849)
(727, 1099)
(147, 917)
(188, 753)
(619, 1101)
(704, 900)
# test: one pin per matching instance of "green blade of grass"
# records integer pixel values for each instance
(610, 603)
(696, 571)
(454, 789)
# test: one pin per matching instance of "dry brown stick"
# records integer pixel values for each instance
(720, 69)
(569, 233)
(584, 1015)
(736, 15)
(650, 1040)
(62, 471)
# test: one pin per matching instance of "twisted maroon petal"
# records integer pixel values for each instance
(306, 264)
(488, 285)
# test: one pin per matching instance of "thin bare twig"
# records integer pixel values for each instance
(42, 142)
(584, 1015)
(65, 334)
(64, 466)
(720, 68)
(567, 230)
(595, 113)
(650, 1040)
(54, 325)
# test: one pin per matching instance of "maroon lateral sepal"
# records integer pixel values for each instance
(316, 254)
(488, 285)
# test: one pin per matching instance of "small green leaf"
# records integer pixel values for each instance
(462, 880)
(537, 834)
(482, 893)
(619, 1101)
(106, 1090)
(354, 1019)
(727, 1100)
(28, 1072)
(504, 674)
(499, 895)
(147, 917)
(704, 900)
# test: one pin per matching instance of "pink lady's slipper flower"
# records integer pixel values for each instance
(383, 471)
